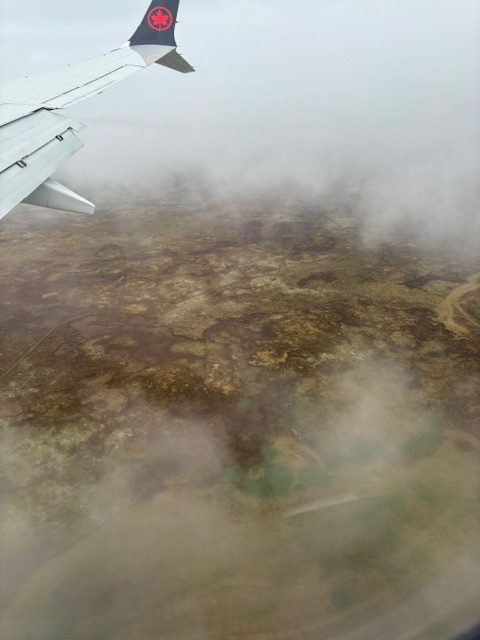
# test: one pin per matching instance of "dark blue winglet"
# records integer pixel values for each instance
(158, 24)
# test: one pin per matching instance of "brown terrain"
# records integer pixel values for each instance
(235, 421)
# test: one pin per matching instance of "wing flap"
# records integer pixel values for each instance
(22, 137)
(17, 182)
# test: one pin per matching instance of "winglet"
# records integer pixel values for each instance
(175, 61)
(158, 24)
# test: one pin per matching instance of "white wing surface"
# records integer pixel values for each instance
(36, 139)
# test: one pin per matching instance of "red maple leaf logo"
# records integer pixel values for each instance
(160, 19)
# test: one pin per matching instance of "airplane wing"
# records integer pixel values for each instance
(37, 137)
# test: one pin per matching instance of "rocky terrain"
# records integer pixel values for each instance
(235, 420)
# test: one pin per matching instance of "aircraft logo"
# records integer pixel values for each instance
(160, 19)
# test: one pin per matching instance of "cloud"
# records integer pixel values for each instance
(385, 93)
(166, 538)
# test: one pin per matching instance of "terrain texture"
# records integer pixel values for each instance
(235, 421)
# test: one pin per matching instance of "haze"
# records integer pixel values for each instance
(227, 407)
(379, 92)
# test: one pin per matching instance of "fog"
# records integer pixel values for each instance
(147, 362)
(382, 94)
(200, 560)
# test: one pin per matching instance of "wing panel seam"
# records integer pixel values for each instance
(45, 144)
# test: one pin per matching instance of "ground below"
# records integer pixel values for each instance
(236, 421)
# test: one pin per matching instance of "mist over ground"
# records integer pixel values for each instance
(379, 95)
(242, 400)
